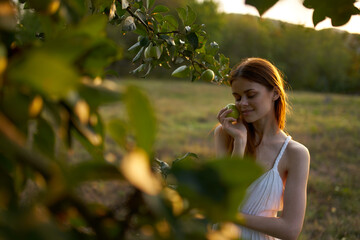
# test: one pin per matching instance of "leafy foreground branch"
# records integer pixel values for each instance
(53, 60)
(167, 206)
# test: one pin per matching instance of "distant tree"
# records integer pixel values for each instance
(208, 13)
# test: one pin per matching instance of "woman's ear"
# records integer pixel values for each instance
(276, 95)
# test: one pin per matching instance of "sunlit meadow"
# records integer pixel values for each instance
(328, 124)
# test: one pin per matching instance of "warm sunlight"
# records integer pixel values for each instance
(290, 11)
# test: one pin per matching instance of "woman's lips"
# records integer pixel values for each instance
(246, 112)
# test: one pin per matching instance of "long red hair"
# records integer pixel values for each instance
(265, 73)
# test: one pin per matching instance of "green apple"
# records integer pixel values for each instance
(147, 52)
(235, 112)
(157, 51)
(153, 51)
(208, 75)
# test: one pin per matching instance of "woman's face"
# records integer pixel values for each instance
(253, 100)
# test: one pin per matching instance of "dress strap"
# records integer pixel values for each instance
(287, 140)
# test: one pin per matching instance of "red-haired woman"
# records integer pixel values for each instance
(258, 89)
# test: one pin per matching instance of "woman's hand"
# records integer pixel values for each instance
(233, 127)
(230, 135)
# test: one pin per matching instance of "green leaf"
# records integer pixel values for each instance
(50, 75)
(92, 25)
(209, 59)
(182, 14)
(140, 29)
(190, 16)
(212, 48)
(149, 3)
(99, 57)
(97, 95)
(69, 47)
(168, 39)
(186, 156)
(138, 55)
(111, 72)
(181, 72)
(135, 46)
(318, 17)
(144, 41)
(160, 8)
(260, 5)
(149, 66)
(172, 21)
(100, 5)
(141, 118)
(193, 40)
(119, 10)
(140, 68)
(226, 187)
(339, 12)
(224, 60)
(342, 17)
(117, 129)
(158, 17)
(76, 9)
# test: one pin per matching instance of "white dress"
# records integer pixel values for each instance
(264, 197)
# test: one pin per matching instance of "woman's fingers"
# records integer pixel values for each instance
(228, 122)
(231, 119)
(222, 115)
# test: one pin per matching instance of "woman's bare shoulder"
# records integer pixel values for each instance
(297, 154)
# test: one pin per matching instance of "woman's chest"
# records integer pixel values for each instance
(268, 157)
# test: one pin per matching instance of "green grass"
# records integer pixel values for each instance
(328, 124)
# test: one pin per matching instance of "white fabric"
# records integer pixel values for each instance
(264, 197)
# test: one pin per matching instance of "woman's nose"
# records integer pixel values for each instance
(243, 102)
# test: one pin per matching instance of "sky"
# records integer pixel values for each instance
(291, 11)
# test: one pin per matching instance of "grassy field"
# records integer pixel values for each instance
(328, 124)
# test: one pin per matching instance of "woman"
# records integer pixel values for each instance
(258, 89)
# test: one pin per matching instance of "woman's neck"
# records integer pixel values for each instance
(266, 128)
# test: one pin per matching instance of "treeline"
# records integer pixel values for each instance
(326, 60)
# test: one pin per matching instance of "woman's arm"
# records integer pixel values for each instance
(223, 141)
(289, 225)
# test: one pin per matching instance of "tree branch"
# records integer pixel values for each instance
(128, 9)
(165, 33)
